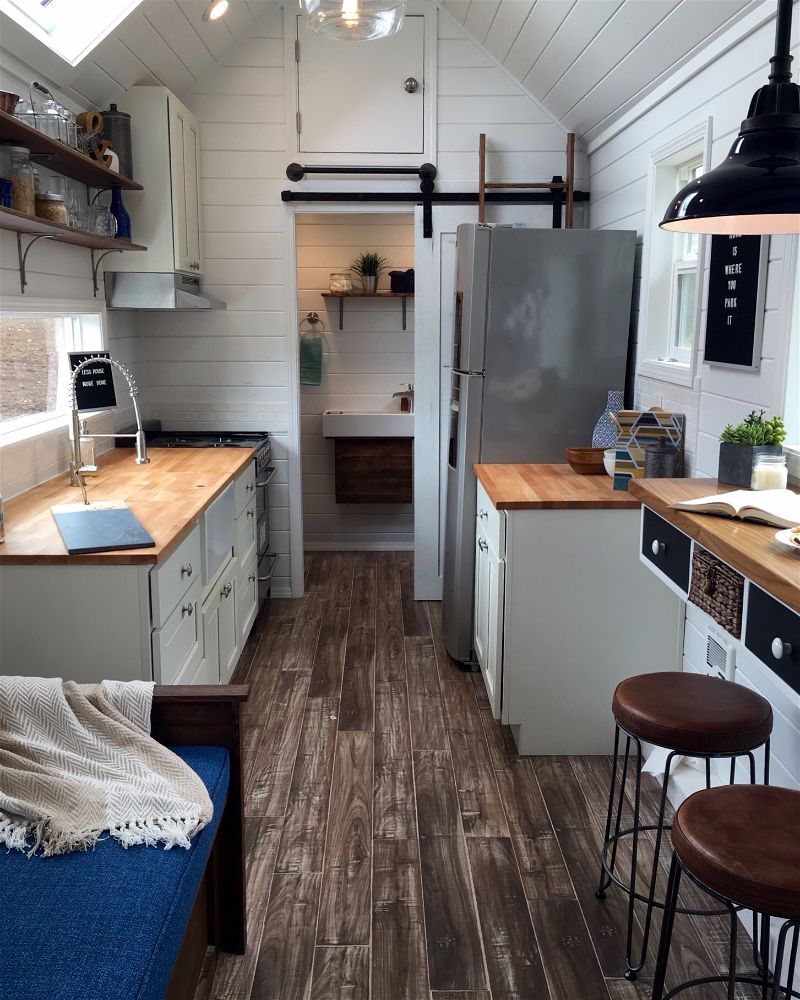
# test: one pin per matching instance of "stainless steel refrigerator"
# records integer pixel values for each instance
(541, 333)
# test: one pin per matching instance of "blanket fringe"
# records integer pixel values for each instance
(49, 840)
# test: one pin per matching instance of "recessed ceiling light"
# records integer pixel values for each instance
(215, 10)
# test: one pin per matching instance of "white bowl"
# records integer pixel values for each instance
(609, 460)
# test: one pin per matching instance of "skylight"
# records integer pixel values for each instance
(71, 28)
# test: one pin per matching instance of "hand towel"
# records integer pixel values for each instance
(310, 359)
(77, 761)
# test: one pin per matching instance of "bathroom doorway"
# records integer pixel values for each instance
(355, 356)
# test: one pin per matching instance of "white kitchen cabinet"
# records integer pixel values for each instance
(247, 599)
(352, 99)
(209, 667)
(165, 216)
(564, 611)
(228, 635)
(489, 612)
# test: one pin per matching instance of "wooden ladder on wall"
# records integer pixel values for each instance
(566, 187)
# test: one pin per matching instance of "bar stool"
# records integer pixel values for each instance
(690, 715)
(740, 844)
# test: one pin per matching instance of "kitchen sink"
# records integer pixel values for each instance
(337, 423)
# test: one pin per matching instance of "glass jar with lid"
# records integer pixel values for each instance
(20, 173)
(340, 281)
(48, 119)
(51, 207)
(770, 473)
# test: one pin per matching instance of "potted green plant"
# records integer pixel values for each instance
(742, 445)
(368, 266)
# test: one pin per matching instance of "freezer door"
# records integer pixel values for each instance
(558, 331)
(466, 401)
(473, 244)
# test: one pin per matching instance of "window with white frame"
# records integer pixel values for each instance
(34, 366)
(672, 268)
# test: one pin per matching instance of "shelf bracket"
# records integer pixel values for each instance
(404, 300)
(22, 257)
(341, 314)
(96, 261)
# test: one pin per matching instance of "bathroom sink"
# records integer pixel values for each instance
(336, 423)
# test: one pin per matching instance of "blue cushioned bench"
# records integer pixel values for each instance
(117, 924)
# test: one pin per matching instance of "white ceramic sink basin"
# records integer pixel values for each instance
(336, 423)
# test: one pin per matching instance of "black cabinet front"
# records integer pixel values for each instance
(773, 635)
(667, 548)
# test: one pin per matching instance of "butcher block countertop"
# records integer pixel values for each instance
(167, 496)
(748, 547)
(550, 487)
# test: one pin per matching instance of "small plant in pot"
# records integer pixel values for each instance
(368, 266)
(741, 446)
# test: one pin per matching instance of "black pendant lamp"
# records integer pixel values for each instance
(756, 190)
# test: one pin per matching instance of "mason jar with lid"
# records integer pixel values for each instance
(20, 173)
(51, 207)
(770, 473)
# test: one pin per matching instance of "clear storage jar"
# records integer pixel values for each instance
(20, 173)
(770, 473)
(51, 207)
(340, 281)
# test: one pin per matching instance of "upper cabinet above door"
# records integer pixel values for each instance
(352, 96)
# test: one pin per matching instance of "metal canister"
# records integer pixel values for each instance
(661, 461)
(117, 129)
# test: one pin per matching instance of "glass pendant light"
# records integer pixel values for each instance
(354, 20)
(756, 190)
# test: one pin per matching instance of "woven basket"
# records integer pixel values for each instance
(718, 590)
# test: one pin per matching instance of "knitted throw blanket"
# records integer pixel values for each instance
(77, 761)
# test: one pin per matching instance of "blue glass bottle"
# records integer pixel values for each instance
(120, 213)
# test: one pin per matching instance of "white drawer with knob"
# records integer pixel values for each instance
(176, 645)
(246, 533)
(491, 523)
(170, 579)
(245, 488)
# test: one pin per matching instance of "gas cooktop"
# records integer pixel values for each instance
(157, 437)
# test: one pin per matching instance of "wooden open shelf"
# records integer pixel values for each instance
(341, 296)
(61, 158)
(18, 222)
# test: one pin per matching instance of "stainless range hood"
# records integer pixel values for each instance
(160, 291)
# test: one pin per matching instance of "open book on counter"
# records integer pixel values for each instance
(780, 508)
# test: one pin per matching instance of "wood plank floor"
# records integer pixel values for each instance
(398, 848)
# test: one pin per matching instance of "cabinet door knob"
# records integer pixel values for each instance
(252, 578)
(187, 609)
(781, 648)
(226, 590)
(658, 548)
(251, 513)
(483, 515)
(410, 85)
(186, 570)
(482, 544)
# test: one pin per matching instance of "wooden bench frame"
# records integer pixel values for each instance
(209, 716)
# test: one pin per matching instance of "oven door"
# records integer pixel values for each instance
(262, 533)
(266, 570)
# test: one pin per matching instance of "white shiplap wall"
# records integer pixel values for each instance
(363, 364)
(619, 169)
(231, 369)
(56, 275)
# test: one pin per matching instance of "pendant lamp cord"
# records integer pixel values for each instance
(781, 62)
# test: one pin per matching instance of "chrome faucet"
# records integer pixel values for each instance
(407, 393)
(77, 469)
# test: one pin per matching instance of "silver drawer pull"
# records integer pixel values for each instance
(250, 487)
(658, 548)
(483, 515)
(781, 648)
(482, 544)
(226, 590)
(273, 471)
(251, 578)
(186, 570)
(251, 513)
(187, 609)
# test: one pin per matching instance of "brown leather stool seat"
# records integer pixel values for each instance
(742, 842)
(692, 713)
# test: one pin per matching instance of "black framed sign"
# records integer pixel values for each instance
(94, 389)
(737, 285)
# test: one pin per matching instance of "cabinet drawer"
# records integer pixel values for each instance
(247, 598)
(773, 635)
(170, 580)
(245, 487)
(668, 549)
(492, 523)
(176, 645)
(246, 533)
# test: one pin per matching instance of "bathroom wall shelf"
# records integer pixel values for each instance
(40, 229)
(60, 157)
(341, 296)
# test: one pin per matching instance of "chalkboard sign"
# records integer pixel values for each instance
(736, 290)
(94, 389)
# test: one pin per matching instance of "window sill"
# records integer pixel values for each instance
(793, 461)
(667, 371)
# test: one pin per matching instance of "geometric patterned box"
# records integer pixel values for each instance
(635, 430)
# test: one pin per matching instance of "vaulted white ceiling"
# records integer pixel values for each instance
(588, 61)
(161, 41)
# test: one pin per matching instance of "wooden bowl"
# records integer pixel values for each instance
(586, 461)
